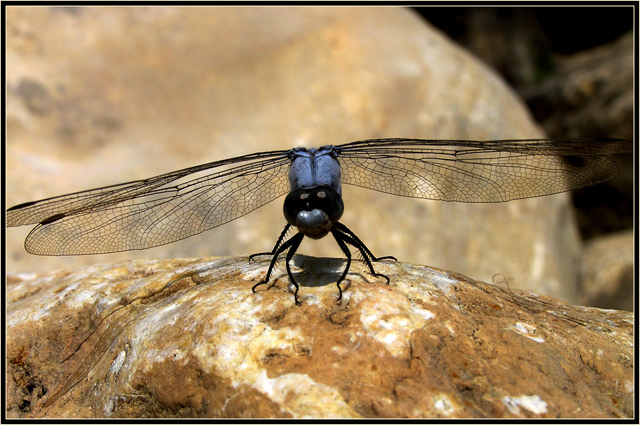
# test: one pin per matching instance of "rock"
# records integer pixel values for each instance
(510, 40)
(589, 93)
(607, 272)
(188, 338)
(584, 94)
(127, 93)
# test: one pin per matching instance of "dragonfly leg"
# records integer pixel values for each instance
(281, 238)
(339, 237)
(292, 245)
(360, 245)
(349, 237)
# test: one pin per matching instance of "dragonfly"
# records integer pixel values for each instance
(159, 210)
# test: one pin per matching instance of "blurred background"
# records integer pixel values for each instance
(103, 95)
(574, 69)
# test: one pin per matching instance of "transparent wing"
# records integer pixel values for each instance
(476, 171)
(156, 211)
(163, 209)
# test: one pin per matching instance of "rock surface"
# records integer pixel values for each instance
(188, 338)
(607, 272)
(127, 93)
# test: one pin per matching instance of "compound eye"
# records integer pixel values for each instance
(328, 200)
(323, 199)
(296, 201)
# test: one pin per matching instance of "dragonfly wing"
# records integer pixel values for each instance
(155, 211)
(474, 171)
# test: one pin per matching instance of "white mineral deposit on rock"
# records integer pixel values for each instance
(532, 403)
(117, 363)
(442, 403)
(527, 330)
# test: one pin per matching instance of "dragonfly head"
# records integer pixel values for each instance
(313, 210)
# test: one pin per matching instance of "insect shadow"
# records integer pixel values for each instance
(315, 272)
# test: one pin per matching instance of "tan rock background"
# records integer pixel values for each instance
(102, 95)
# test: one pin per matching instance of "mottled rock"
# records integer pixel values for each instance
(607, 272)
(127, 93)
(188, 338)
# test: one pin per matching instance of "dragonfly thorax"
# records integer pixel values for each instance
(313, 211)
(315, 167)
